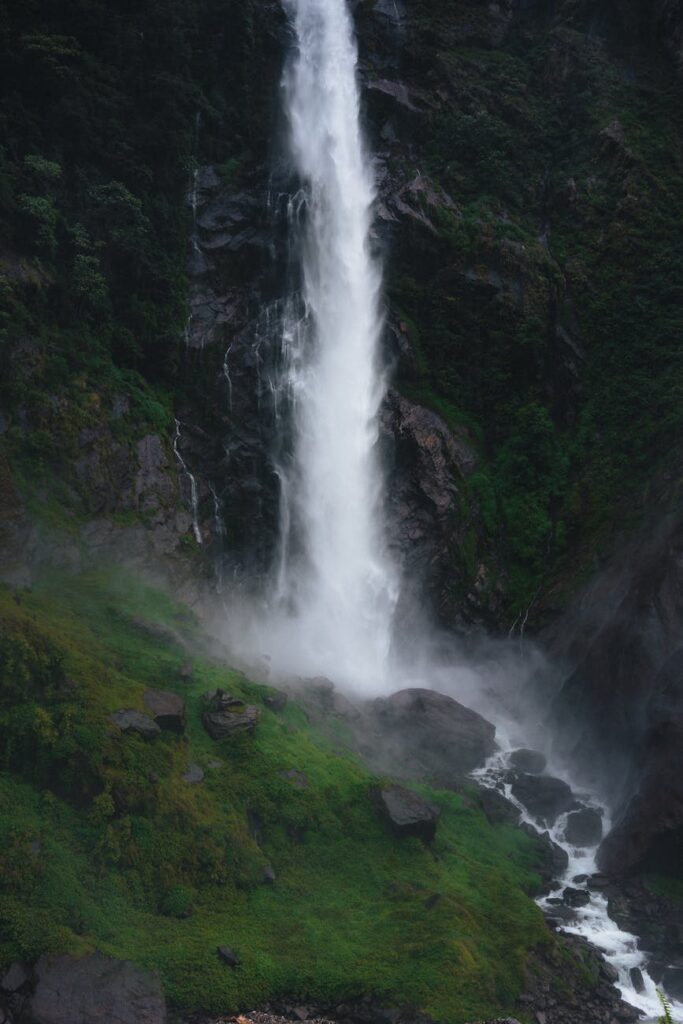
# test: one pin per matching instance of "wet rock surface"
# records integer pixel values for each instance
(67, 990)
(407, 813)
(583, 827)
(166, 708)
(425, 734)
(132, 722)
(544, 796)
(532, 762)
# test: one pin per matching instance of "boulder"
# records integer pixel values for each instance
(672, 982)
(95, 988)
(132, 722)
(15, 977)
(193, 775)
(552, 861)
(576, 897)
(497, 808)
(637, 980)
(167, 709)
(276, 700)
(584, 827)
(598, 881)
(530, 761)
(228, 956)
(426, 734)
(228, 716)
(544, 797)
(407, 813)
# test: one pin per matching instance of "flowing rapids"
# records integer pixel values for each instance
(336, 590)
(591, 921)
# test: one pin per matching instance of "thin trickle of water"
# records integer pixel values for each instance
(335, 586)
(194, 499)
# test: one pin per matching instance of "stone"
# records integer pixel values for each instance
(552, 860)
(637, 980)
(268, 875)
(276, 700)
(427, 734)
(132, 722)
(166, 708)
(532, 762)
(544, 797)
(298, 779)
(186, 671)
(95, 988)
(407, 813)
(497, 808)
(228, 716)
(228, 956)
(583, 827)
(193, 775)
(576, 897)
(598, 881)
(15, 977)
(579, 879)
(609, 971)
(672, 982)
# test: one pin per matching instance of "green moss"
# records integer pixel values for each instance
(95, 855)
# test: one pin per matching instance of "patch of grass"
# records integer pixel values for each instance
(104, 845)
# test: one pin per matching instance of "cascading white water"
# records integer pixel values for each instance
(336, 589)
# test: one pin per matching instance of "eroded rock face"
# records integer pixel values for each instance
(407, 813)
(94, 988)
(424, 734)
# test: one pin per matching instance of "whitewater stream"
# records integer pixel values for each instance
(592, 920)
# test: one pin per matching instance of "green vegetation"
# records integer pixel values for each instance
(104, 845)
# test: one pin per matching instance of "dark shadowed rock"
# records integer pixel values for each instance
(276, 700)
(497, 808)
(421, 733)
(95, 988)
(530, 761)
(133, 722)
(407, 813)
(552, 861)
(672, 982)
(576, 897)
(167, 709)
(584, 827)
(193, 775)
(15, 977)
(636, 976)
(268, 875)
(228, 716)
(598, 881)
(545, 797)
(228, 956)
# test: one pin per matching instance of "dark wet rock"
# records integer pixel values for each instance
(407, 813)
(636, 976)
(579, 879)
(672, 982)
(276, 700)
(497, 808)
(228, 716)
(132, 722)
(545, 797)
(15, 977)
(166, 708)
(598, 881)
(584, 827)
(532, 762)
(562, 913)
(228, 956)
(320, 696)
(576, 897)
(193, 775)
(297, 778)
(94, 988)
(552, 861)
(422, 733)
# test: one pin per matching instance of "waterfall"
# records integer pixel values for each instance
(335, 586)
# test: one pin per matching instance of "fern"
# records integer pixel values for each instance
(666, 1017)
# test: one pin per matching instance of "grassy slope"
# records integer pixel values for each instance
(93, 854)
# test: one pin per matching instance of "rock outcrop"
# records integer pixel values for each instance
(167, 709)
(228, 716)
(424, 734)
(407, 813)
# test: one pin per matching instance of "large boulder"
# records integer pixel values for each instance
(132, 722)
(228, 716)
(544, 797)
(583, 827)
(424, 734)
(95, 989)
(530, 761)
(166, 708)
(551, 860)
(407, 813)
